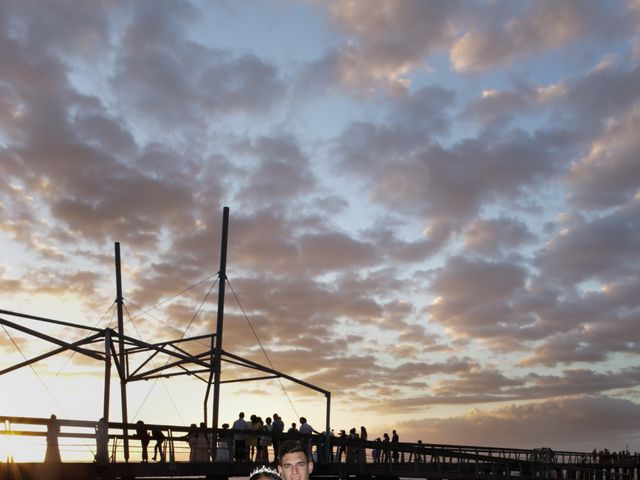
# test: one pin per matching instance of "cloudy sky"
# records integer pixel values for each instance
(435, 207)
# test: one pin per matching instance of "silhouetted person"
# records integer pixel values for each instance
(332, 441)
(202, 444)
(240, 439)
(192, 437)
(255, 425)
(52, 455)
(395, 439)
(375, 452)
(416, 455)
(159, 438)
(143, 436)
(277, 429)
(225, 444)
(342, 445)
(264, 441)
(363, 450)
(102, 442)
(293, 428)
(385, 448)
(306, 430)
(352, 449)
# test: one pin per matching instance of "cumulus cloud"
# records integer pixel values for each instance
(409, 125)
(150, 72)
(10, 283)
(544, 25)
(391, 40)
(495, 106)
(455, 182)
(609, 175)
(600, 96)
(601, 248)
(87, 31)
(400, 250)
(283, 170)
(473, 298)
(492, 235)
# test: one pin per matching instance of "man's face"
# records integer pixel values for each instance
(294, 466)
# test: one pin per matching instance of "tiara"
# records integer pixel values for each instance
(264, 469)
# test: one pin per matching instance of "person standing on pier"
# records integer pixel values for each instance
(192, 437)
(295, 461)
(385, 448)
(255, 426)
(143, 436)
(159, 438)
(264, 441)
(202, 444)
(240, 439)
(394, 440)
(362, 454)
(52, 455)
(225, 445)
(277, 429)
(306, 430)
(375, 452)
(102, 442)
(352, 448)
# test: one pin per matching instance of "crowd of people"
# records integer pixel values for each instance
(295, 461)
(252, 440)
(604, 457)
(249, 441)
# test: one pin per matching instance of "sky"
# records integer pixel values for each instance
(434, 208)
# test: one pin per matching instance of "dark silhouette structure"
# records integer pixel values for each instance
(125, 353)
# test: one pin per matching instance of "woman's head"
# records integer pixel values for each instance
(264, 473)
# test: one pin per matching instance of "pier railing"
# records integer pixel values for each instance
(337, 457)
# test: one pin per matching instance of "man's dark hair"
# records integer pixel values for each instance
(292, 446)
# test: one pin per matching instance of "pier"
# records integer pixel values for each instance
(342, 459)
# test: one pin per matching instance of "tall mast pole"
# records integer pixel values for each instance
(107, 374)
(122, 371)
(222, 279)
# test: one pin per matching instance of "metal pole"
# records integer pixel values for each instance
(107, 374)
(327, 430)
(218, 347)
(123, 369)
(210, 381)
